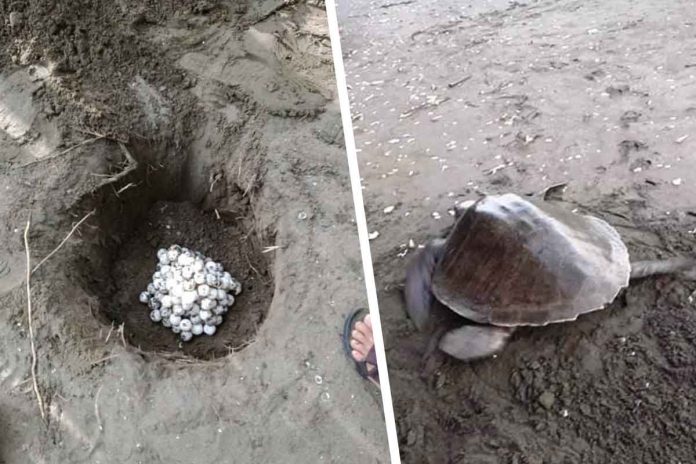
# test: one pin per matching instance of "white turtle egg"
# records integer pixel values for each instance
(186, 336)
(166, 323)
(176, 300)
(205, 315)
(219, 309)
(144, 297)
(229, 301)
(177, 290)
(159, 285)
(174, 320)
(176, 330)
(198, 265)
(167, 301)
(195, 310)
(151, 288)
(187, 273)
(195, 319)
(218, 320)
(155, 315)
(203, 290)
(199, 278)
(197, 329)
(236, 287)
(182, 260)
(157, 276)
(220, 294)
(208, 304)
(185, 325)
(212, 280)
(189, 285)
(177, 310)
(210, 266)
(162, 256)
(173, 254)
(219, 268)
(187, 307)
(164, 270)
(154, 303)
(209, 329)
(189, 298)
(166, 312)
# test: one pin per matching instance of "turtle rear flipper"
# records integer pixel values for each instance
(474, 341)
(417, 292)
(679, 265)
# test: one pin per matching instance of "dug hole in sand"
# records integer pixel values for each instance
(211, 125)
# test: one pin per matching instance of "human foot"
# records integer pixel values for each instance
(360, 345)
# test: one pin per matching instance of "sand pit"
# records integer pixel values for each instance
(115, 263)
(131, 265)
(234, 148)
(452, 100)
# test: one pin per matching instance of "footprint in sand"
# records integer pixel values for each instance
(12, 269)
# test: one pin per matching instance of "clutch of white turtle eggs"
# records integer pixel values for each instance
(189, 293)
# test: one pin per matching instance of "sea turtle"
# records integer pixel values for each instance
(511, 261)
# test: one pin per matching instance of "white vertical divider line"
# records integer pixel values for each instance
(362, 230)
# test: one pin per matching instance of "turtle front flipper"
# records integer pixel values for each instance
(419, 275)
(471, 342)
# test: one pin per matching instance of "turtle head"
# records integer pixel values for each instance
(419, 276)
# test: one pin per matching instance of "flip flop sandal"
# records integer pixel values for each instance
(361, 366)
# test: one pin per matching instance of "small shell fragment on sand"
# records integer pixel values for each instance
(389, 209)
(682, 138)
(496, 169)
(373, 235)
(677, 181)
